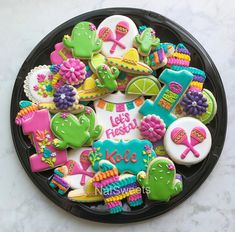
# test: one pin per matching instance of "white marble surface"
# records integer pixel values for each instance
(23, 24)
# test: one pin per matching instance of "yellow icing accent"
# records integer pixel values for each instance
(182, 56)
(196, 84)
(130, 61)
(89, 90)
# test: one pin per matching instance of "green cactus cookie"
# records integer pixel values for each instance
(146, 41)
(94, 130)
(107, 77)
(83, 40)
(69, 130)
(160, 182)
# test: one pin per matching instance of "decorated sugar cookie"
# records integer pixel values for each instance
(73, 71)
(69, 130)
(38, 84)
(95, 61)
(160, 180)
(130, 63)
(187, 141)
(132, 156)
(95, 129)
(79, 168)
(146, 41)
(90, 91)
(211, 110)
(60, 54)
(176, 84)
(144, 85)
(86, 194)
(152, 128)
(107, 77)
(83, 41)
(115, 188)
(36, 123)
(119, 116)
(158, 58)
(117, 33)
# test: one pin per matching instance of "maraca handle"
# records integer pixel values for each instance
(118, 43)
(113, 48)
(82, 182)
(185, 153)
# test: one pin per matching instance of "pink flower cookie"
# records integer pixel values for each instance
(73, 71)
(152, 128)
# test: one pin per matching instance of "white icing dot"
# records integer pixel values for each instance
(194, 103)
(150, 129)
(62, 96)
(72, 69)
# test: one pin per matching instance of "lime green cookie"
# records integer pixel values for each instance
(160, 182)
(211, 109)
(144, 85)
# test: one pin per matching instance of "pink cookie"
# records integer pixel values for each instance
(60, 54)
(37, 125)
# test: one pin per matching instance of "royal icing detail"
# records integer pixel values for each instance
(152, 128)
(132, 156)
(117, 33)
(160, 180)
(107, 77)
(37, 125)
(60, 54)
(38, 84)
(120, 119)
(144, 85)
(83, 41)
(146, 41)
(130, 63)
(73, 71)
(79, 168)
(90, 91)
(95, 61)
(187, 141)
(176, 83)
(115, 187)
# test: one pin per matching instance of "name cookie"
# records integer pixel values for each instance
(132, 156)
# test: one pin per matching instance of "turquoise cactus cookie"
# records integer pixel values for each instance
(146, 41)
(69, 130)
(161, 182)
(83, 41)
(107, 77)
(94, 130)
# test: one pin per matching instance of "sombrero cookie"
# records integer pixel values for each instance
(130, 63)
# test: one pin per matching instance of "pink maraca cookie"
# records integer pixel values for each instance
(79, 168)
(73, 71)
(117, 33)
(152, 128)
(60, 54)
(187, 141)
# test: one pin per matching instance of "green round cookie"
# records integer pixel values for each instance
(144, 85)
(212, 107)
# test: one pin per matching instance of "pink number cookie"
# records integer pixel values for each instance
(36, 123)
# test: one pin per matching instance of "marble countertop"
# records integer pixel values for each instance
(23, 207)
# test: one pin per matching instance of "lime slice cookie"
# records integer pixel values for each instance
(144, 85)
(212, 107)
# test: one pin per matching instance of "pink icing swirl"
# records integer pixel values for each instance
(152, 128)
(73, 71)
